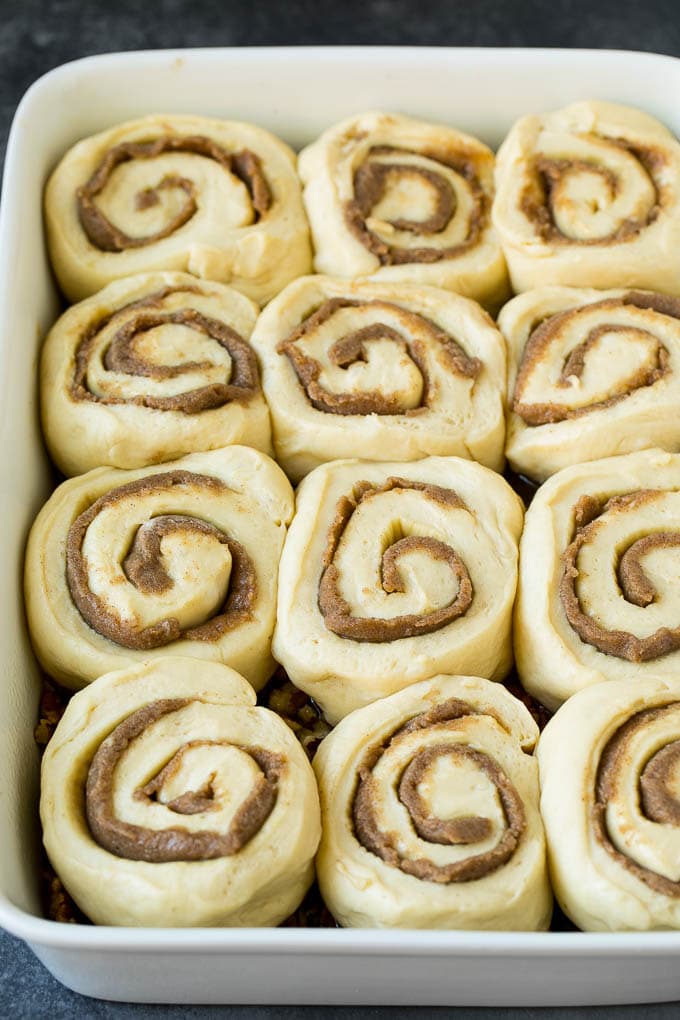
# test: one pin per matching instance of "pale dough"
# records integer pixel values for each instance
(184, 378)
(600, 511)
(614, 856)
(426, 374)
(206, 532)
(212, 743)
(450, 528)
(472, 730)
(219, 199)
(429, 220)
(589, 196)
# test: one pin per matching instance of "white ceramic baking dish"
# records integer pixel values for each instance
(295, 93)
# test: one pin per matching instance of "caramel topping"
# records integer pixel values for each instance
(457, 831)
(121, 356)
(547, 175)
(657, 802)
(144, 569)
(104, 235)
(137, 843)
(538, 347)
(372, 178)
(635, 586)
(337, 613)
(351, 348)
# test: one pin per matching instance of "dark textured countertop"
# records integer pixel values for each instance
(34, 37)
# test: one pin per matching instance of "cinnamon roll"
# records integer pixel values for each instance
(592, 374)
(392, 573)
(152, 367)
(169, 799)
(598, 596)
(611, 807)
(380, 369)
(429, 802)
(589, 195)
(403, 200)
(219, 199)
(126, 566)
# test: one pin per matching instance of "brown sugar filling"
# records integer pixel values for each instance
(541, 338)
(351, 348)
(121, 356)
(546, 176)
(335, 610)
(144, 569)
(458, 831)
(370, 182)
(104, 235)
(633, 582)
(176, 843)
(657, 803)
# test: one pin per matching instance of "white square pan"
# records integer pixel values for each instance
(295, 93)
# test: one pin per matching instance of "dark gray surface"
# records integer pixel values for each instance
(35, 37)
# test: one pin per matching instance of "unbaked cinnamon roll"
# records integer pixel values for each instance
(429, 802)
(124, 566)
(384, 370)
(400, 199)
(590, 196)
(611, 807)
(219, 199)
(598, 596)
(392, 573)
(152, 367)
(591, 374)
(169, 799)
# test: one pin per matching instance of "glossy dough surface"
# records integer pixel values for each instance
(400, 199)
(219, 199)
(392, 573)
(598, 595)
(390, 371)
(181, 558)
(611, 807)
(589, 195)
(591, 374)
(169, 799)
(152, 367)
(430, 817)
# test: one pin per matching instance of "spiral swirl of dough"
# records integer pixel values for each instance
(393, 572)
(219, 199)
(400, 199)
(393, 371)
(611, 807)
(602, 540)
(592, 374)
(151, 368)
(123, 566)
(168, 799)
(430, 818)
(588, 196)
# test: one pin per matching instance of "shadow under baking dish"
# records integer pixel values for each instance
(480, 91)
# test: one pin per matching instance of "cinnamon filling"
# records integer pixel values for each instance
(335, 610)
(371, 180)
(104, 235)
(137, 843)
(121, 356)
(657, 802)
(634, 584)
(547, 176)
(540, 340)
(466, 830)
(352, 348)
(144, 569)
